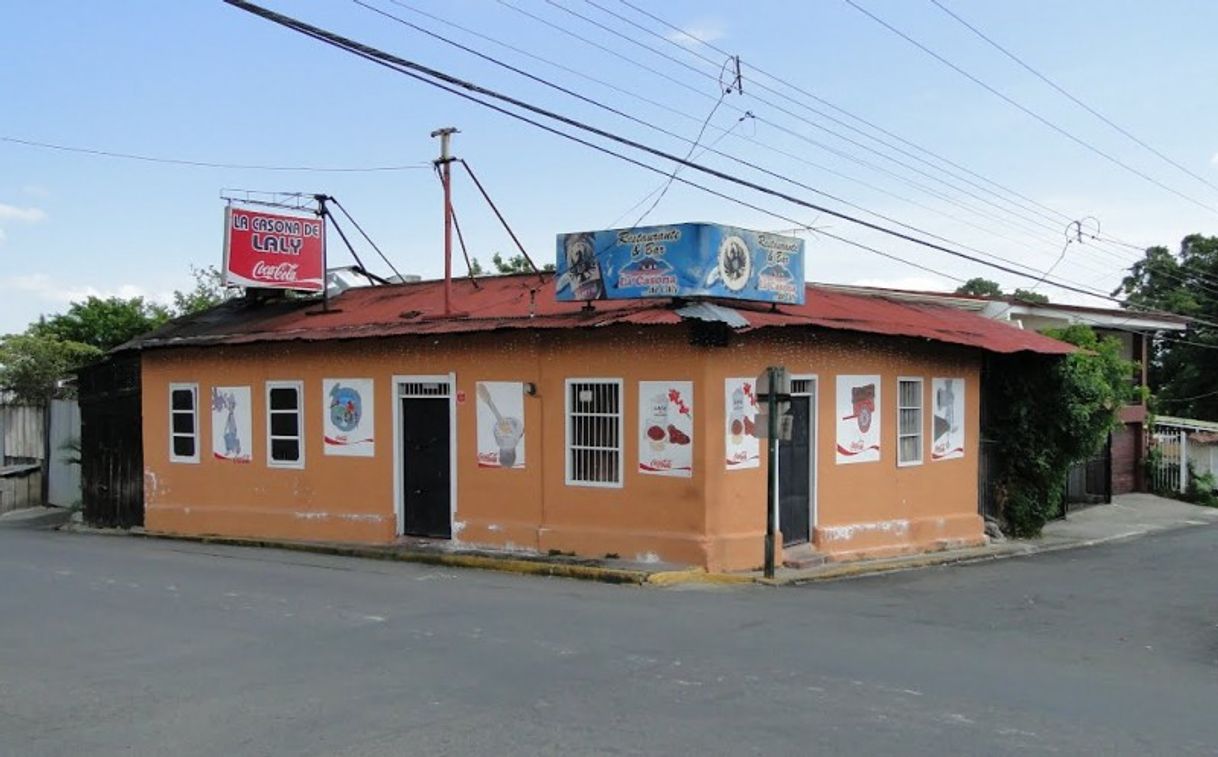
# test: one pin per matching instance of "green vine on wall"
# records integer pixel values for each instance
(1044, 414)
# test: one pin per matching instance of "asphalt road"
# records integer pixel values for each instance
(126, 646)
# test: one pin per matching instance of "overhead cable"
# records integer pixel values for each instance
(1028, 111)
(207, 164)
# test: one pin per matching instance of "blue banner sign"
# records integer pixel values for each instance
(684, 260)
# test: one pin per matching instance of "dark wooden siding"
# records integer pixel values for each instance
(112, 443)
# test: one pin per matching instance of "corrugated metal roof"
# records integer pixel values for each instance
(525, 302)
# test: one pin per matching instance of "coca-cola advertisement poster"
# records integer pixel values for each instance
(348, 420)
(232, 437)
(740, 414)
(948, 443)
(500, 424)
(273, 251)
(858, 419)
(666, 428)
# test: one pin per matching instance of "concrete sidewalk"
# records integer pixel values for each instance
(36, 517)
(1129, 516)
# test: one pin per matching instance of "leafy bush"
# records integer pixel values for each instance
(1047, 413)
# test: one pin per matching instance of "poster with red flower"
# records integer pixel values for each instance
(742, 449)
(666, 428)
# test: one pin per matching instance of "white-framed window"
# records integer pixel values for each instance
(909, 421)
(184, 423)
(595, 456)
(285, 424)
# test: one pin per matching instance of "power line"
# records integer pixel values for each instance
(828, 148)
(467, 90)
(207, 164)
(1028, 111)
(1059, 216)
(1068, 95)
(965, 206)
(454, 84)
(634, 94)
(791, 114)
(693, 143)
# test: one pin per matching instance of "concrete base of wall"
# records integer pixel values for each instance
(356, 528)
(20, 487)
(735, 552)
(890, 538)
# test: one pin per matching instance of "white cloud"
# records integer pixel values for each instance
(704, 31)
(36, 190)
(1214, 159)
(47, 289)
(28, 215)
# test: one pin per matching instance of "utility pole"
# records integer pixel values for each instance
(444, 163)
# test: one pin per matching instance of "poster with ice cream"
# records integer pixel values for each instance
(858, 419)
(948, 442)
(347, 417)
(666, 428)
(500, 424)
(231, 428)
(743, 449)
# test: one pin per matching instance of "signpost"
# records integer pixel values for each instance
(774, 389)
(682, 260)
(274, 251)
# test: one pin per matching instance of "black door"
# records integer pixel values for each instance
(111, 443)
(426, 474)
(795, 476)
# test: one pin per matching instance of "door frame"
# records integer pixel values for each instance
(399, 497)
(813, 462)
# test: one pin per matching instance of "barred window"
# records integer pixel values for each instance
(284, 424)
(594, 432)
(184, 423)
(909, 421)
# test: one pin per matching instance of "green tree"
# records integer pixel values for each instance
(102, 323)
(30, 365)
(1182, 366)
(1027, 295)
(515, 264)
(208, 292)
(1044, 414)
(979, 287)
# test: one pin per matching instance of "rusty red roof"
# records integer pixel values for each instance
(525, 302)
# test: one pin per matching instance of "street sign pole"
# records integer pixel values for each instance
(771, 500)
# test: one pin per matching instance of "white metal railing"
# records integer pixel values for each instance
(1170, 471)
(1173, 451)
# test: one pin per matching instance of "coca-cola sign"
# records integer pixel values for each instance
(273, 251)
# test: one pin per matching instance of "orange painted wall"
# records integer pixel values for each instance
(714, 518)
(862, 509)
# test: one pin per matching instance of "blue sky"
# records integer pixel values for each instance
(202, 81)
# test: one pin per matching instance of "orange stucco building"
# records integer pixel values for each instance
(527, 424)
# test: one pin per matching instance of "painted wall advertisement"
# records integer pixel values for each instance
(666, 428)
(743, 449)
(500, 424)
(272, 251)
(232, 436)
(858, 419)
(948, 442)
(685, 260)
(348, 417)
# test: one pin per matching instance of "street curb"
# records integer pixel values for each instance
(541, 566)
(515, 565)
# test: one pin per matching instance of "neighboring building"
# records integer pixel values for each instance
(524, 423)
(1118, 468)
